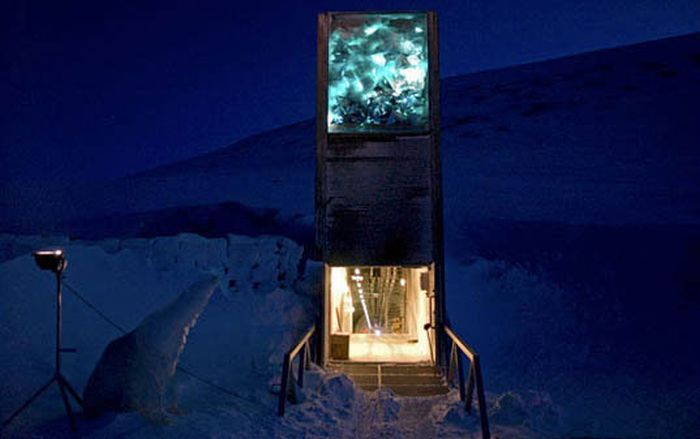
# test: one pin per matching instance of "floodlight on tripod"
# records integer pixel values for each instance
(54, 260)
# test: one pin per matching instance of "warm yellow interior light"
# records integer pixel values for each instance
(373, 336)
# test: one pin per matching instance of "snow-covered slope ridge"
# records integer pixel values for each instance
(602, 137)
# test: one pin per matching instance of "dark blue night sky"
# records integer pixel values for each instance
(160, 143)
(93, 90)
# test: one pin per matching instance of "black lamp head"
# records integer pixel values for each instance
(51, 259)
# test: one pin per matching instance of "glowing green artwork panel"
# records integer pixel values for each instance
(378, 73)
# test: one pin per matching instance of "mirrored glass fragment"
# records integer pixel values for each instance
(378, 73)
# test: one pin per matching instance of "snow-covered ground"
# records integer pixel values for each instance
(263, 303)
(572, 201)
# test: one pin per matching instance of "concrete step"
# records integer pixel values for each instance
(348, 367)
(419, 390)
(362, 380)
(411, 369)
(402, 379)
(410, 379)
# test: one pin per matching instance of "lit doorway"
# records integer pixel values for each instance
(380, 313)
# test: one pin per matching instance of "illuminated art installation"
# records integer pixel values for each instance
(378, 192)
(378, 73)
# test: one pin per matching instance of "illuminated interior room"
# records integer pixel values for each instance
(380, 313)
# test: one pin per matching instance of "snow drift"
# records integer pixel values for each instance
(135, 369)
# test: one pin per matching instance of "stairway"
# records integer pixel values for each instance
(404, 379)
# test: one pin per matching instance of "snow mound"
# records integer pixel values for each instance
(534, 410)
(511, 415)
(388, 404)
(134, 370)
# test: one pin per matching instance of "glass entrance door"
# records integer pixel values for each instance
(379, 313)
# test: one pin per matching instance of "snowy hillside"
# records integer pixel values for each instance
(572, 198)
(606, 137)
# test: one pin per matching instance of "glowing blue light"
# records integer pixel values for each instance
(378, 58)
(377, 73)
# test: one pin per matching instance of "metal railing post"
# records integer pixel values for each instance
(284, 385)
(301, 347)
(302, 366)
(474, 382)
(470, 389)
(309, 355)
(460, 374)
(485, 433)
(450, 364)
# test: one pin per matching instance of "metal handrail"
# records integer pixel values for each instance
(475, 378)
(301, 346)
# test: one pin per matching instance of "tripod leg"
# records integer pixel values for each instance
(66, 404)
(71, 390)
(29, 401)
